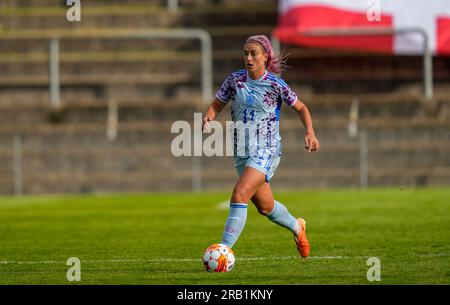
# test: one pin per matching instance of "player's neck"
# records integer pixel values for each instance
(256, 74)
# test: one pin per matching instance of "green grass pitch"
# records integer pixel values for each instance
(160, 238)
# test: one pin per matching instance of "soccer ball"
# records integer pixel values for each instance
(218, 258)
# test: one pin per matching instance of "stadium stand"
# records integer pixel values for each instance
(154, 83)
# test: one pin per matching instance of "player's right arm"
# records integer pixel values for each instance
(213, 110)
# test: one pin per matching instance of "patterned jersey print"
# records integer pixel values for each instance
(255, 111)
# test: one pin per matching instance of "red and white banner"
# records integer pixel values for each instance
(300, 18)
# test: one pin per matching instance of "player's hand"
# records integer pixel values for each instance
(311, 142)
(205, 124)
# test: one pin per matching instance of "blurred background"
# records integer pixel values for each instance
(87, 106)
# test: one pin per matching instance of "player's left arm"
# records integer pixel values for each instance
(311, 142)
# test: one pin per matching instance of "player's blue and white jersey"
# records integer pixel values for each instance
(256, 104)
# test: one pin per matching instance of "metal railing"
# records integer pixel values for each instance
(207, 76)
(200, 34)
(354, 113)
(172, 5)
(364, 31)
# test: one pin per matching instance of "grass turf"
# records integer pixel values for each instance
(160, 238)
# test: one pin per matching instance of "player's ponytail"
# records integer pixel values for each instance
(276, 63)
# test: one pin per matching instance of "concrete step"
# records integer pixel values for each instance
(82, 68)
(169, 88)
(223, 38)
(145, 181)
(96, 111)
(92, 159)
(378, 133)
(106, 3)
(86, 79)
(376, 127)
(144, 113)
(51, 3)
(36, 46)
(410, 109)
(141, 16)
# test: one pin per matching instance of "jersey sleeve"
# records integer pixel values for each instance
(227, 90)
(287, 95)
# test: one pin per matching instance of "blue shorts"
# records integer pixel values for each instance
(267, 165)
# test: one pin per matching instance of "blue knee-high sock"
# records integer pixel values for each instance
(235, 223)
(281, 216)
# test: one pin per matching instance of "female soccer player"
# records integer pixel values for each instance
(256, 95)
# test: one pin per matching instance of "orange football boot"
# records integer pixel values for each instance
(301, 240)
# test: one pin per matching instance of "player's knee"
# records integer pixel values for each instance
(240, 194)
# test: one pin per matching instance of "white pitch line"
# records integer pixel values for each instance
(161, 260)
(172, 259)
(30, 262)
